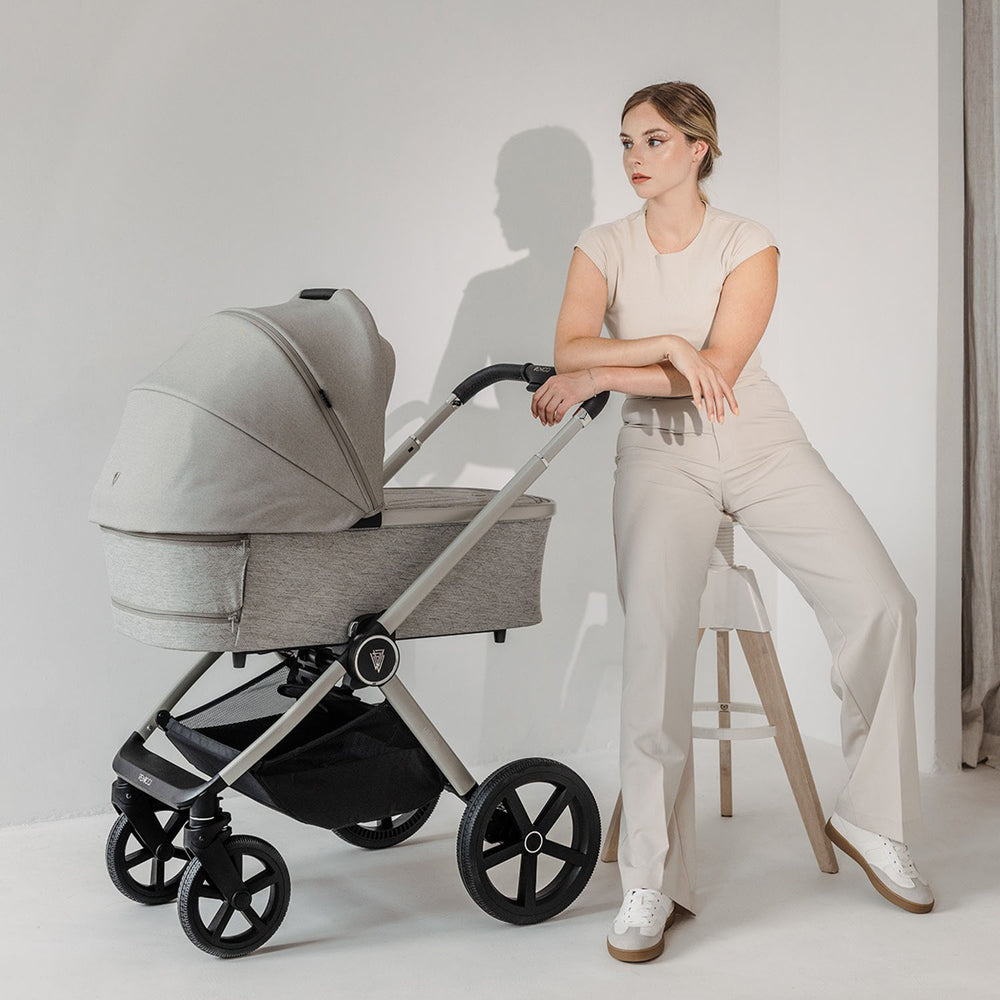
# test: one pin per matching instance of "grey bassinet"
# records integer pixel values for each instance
(242, 498)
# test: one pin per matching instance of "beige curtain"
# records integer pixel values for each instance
(981, 536)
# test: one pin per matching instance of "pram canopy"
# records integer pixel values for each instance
(269, 419)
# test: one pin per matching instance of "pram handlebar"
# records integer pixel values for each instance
(479, 380)
(534, 375)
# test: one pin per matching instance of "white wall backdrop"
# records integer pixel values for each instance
(167, 161)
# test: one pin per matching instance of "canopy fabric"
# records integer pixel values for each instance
(266, 420)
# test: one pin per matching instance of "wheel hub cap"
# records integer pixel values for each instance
(533, 842)
(241, 900)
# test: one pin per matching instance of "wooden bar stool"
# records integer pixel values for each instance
(731, 600)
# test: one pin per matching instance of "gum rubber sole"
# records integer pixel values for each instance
(851, 851)
(644, 954)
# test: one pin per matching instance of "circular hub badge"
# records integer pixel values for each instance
(375, 659)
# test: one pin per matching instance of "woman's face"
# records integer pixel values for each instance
(656, 156)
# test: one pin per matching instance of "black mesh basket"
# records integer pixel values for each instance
(346, 762)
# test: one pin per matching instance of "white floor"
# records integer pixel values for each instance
(398, 923)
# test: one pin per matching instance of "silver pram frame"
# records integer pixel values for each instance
(233, 891)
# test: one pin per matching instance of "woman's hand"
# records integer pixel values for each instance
(561, 392)
(708, 385)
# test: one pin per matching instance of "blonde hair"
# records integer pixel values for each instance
(690, 110)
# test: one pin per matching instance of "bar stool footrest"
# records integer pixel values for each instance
(733, 732)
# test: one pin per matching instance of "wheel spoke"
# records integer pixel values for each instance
(517, 811)
(157, 882)
(384, 824)
(220, 921)
(559, 799)
(501, 853)
(564, 853)
(261, 881)
(180, 854)
(137, 858)
(256, 921)
(526, 881)
(208, 891)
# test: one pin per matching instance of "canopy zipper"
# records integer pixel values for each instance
(318, 394)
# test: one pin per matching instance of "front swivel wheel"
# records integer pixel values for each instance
(141, 874)
(230, 928)
(529, 840)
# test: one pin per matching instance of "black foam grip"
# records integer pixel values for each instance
(537, 375)
(317, 293)
(595, 404)
(479, 380)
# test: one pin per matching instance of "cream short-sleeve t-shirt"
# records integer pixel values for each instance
(652, 293)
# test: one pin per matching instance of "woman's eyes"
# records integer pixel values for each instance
(627, 143)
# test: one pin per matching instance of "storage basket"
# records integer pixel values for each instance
(346, 762)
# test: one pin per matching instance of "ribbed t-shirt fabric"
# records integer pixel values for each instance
(652, 293)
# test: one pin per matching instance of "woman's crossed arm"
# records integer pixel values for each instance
(664, 365)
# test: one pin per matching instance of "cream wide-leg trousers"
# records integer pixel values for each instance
(675, 474)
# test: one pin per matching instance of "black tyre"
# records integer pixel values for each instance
(389, 831)
(218, 927)
(529, 840)
(134, 870)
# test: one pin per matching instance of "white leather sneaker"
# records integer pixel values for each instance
(886, 862)
(637, 933)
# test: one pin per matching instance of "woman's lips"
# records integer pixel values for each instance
(639, 178)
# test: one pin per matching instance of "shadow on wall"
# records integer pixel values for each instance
(545, 199)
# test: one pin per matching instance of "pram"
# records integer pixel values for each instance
(243, 511)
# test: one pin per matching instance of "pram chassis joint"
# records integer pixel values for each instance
(373, 657)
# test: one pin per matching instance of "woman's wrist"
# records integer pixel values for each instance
(667, 341)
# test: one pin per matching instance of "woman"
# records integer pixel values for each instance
(686, 291)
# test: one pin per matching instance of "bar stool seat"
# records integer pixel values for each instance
(731, 601)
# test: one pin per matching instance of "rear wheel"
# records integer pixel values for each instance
(529, 840)
(390, 830)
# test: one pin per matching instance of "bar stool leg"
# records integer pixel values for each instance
(725, 746)
(610, 850)
(762, 659)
